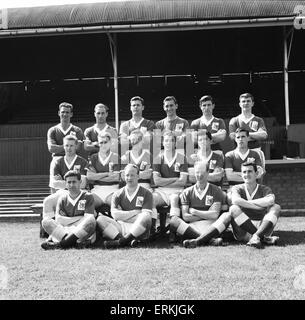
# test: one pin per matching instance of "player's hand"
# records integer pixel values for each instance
(57, 177)
(114, 176)
(192, 211)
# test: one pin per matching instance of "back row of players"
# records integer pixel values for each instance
(164, 173)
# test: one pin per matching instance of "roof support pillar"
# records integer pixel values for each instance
(113, 48)
(285, 71)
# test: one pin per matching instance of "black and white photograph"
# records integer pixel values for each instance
(152, 153)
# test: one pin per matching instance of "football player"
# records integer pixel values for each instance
(201, 204)
(208, 122)
(74, 221)
(204, 153)
(56, 134)
(91, 143)
(103, 171)
(254, 211)
(131, 208)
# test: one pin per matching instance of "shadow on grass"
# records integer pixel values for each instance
(286, 238)
(290, 238)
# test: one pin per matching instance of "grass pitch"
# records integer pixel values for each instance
(161, 272)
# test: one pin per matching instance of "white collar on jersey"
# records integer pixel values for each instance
(198, 195)
(169, 120)
(242, 118)
(205, 122)
(104, 162)
(69, 166)
(170, 163)
(136, 124)
(62, 130)
(250, 197)
(74, 201)
(137, 159)
(99, 131)
(130, 198)
(241, 155)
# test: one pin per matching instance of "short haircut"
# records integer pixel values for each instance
(202, 133)
(71, 137)
(169, 133)
(104, 135)
(137, 98)
(239, 130)
(202, 163)
(72, 173)
(206, 98)
(250, 164)
(169, 98)
(65, 105)
(101, 105)
(132, 166)
(137, 133)
(246, 95)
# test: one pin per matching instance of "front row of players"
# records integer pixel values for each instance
(70, 218)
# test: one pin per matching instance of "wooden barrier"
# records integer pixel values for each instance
(24, 156)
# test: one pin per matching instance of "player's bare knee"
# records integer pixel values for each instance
(145, 217)
(102, 222)
(226, 217)
(276, 209)
(174, 222)
(235, 211)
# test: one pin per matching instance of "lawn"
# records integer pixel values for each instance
(161, 272)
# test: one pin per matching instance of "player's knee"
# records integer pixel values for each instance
(90, 224)
(102, 222)
(276, 208)
(226, 217)
(174, 222)
(48, 224)
(235, 211)
(145, 218)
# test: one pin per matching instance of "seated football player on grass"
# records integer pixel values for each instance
(104, 171)
(254, 211)
(74, 221)
(204, 153)
(131, 209)
(170, 176)
(201, 203)
(60, 166)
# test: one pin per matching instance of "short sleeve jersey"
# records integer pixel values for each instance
(141, 199)
(143, 162)
(260, 192)
(98, 165)
(191, 197)
(213, 126)
(253, 125)
(128, 126)
(56, 135)
(176, 125)
(215, 160)
(234, 161)
(91, 134)
(61, 167)
(68, 207)
(170, 169)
